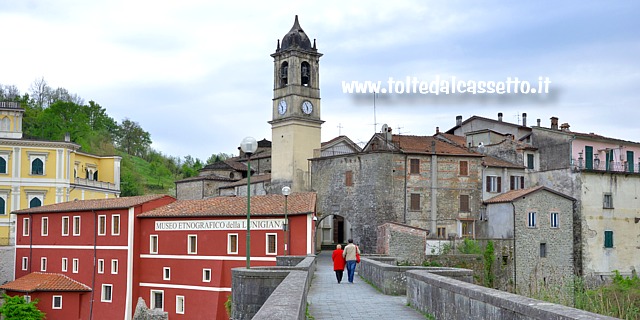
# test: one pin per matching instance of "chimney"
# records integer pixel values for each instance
(458, 120)
(565, 127)
(437, 130)
(538, 122)
(500, 116)
(67, 137)
(524, 119)
(554, 123)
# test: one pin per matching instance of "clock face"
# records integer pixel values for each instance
(282, 107)
(307, 107)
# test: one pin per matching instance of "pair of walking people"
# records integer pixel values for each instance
(350, 256)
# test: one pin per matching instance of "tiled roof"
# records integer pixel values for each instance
(207, 177)
(423, 144)
(254, 179)
(97, 204)
(496, 162)
(38, 281)
(458, 140)
(515, 194)
(297, 203)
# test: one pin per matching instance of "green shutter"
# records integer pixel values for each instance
(630, 161)
(588, 157)
(608, 239)
(529, 161)
(609, 156)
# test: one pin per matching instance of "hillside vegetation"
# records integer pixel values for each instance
(52, 113)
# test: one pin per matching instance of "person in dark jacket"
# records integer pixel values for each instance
(338, 262)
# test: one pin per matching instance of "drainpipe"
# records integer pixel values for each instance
(30, 241)
(515, 279)
(434, 188)
(93, 277)
(404, 215)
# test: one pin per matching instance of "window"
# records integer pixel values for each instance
(115, 225)
(157, 299)
(464, 203)
(65, 263)
(588, 157)
(153, 243)
(76, 226)
(348, 178)
(232, 243)
(166, 273)
(531, 221)
(25, 263)
(415, 166)
(57, 302)
(442, 233)
(100, 265)
(106, 293)
(466, 228)
(415, 202)
(43, 264)
(37, 167)
(180, 304)
(25, 227)
(102, 225)
(35, 202)
(206, 275)
(305, 73)
(27, 298)
(65, 226)
(529, 161)
(271, 243)
(114, 266)
(192, 244)
(554, 219)
(493, 184)
(3, 209)
(516, 182)
(76, 265)
(464, 168)
(608, 239)
(607, 201)
(543, 250)
(3, 165)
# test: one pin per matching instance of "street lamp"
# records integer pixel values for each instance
(286, 191)
(248, 146)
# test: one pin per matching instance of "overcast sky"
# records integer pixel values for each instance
(197, 75)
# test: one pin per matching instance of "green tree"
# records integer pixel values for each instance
(16, 308)
(191, 167)
(489, 258)
(132, 139)
(218, 157)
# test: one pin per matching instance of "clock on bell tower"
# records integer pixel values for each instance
(295, 124)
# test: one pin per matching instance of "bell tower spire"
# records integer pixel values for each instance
(295, 124)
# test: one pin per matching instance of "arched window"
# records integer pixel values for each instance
(37, 167)
(35, 202)
(305, 75)
(5, 124)
(2, 206)
(284, 74)
(3, 165)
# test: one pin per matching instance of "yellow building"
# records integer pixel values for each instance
(38, 172)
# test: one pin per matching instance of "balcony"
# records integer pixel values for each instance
(96, 184)
(613, 166)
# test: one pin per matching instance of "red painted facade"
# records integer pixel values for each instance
(173, 255)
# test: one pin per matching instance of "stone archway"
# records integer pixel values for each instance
(333, 229)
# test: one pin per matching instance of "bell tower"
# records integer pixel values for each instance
(295, 124)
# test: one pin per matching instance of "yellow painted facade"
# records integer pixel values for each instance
(38, 172)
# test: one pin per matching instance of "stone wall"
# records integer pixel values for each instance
(142, 312)
(401, 241)
(7, 260)
(446, 298)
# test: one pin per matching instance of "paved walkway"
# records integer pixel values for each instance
(329, 300)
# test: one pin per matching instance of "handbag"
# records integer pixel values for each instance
(357, 257)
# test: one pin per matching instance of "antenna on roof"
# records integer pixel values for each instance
(375, 124)
(517, 115)
(339, 129)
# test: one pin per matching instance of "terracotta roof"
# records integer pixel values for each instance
(254, 179)
(497, 162)
(97, 204)
(515, 194)
(38, 281)
(207, 177)
(423, 144)
(458, 140)
(589, 136)
(272, 204)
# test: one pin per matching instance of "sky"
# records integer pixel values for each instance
(198, 75)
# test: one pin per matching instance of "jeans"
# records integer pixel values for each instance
(351, 269)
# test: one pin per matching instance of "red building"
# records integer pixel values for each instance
(177, 255)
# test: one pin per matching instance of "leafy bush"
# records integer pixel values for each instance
(470, 246)
(16, 308)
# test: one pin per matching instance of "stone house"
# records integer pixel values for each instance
(419, 181)
(539, 221)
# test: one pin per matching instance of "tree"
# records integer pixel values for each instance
(40, 92)
(132, 139)
(218, 157)
(191, 166)
(16, 308)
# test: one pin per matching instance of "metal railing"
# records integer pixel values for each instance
(614, 166)
(96, 184)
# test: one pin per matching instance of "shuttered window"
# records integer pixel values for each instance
(464, 203)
